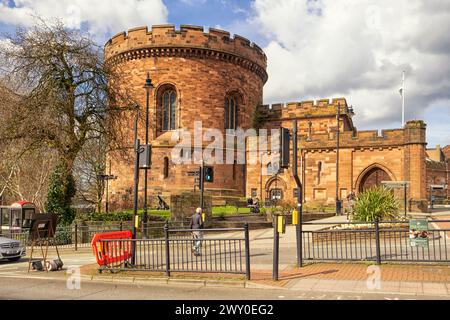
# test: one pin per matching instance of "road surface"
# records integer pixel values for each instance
(18, 289)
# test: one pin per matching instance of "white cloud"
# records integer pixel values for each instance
(100, 17)
(358, 49)
(193, 2)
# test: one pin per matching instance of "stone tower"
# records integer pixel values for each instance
(197, 76)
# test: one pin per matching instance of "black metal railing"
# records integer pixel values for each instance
(76, 236)
(375, 241)
(80, 235)
(220, 251)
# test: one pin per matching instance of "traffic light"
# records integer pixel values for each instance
(145, 156)
(209, 174)
(285, 137)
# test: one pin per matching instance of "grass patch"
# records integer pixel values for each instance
(152, 212)
(127, 215)
(228, 210)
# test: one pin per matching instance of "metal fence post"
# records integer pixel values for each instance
(247, 252)
(377, 240)
(166, 238)
(121, 225)
(76, 236)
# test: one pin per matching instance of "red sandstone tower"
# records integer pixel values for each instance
(198, 76)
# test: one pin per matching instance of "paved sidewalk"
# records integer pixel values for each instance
(355, 278)
(359, 278)
(417, 280)
(424, 279)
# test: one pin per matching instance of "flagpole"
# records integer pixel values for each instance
(403, 98)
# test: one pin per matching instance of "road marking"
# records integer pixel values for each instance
(396, 298)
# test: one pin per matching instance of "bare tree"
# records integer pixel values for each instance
(65, 100)
(89, 166)
(23, 171)
(26, 175)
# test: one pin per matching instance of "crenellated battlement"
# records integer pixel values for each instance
(308, 108)
(165, 40)
(361, 139)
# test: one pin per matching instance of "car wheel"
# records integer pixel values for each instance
(14, 259)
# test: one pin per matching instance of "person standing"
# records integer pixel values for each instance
(350, 203)
(196, 224)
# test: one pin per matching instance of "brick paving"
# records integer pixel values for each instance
(321, 271)
(444, 225)
(358, 272)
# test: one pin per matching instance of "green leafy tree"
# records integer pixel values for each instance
(376, 202)
(61, 191)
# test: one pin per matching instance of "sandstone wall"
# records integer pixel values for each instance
(203, 68)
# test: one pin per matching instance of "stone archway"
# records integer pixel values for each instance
(275, 189)
(373, 176)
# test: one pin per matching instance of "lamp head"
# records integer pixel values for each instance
(148, 82)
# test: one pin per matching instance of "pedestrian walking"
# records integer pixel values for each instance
(196, 224)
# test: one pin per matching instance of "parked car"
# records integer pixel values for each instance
(11, 249)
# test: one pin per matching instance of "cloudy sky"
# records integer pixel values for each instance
(316, 48)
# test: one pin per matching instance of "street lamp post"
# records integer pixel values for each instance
(338, 118)
(148, 87)
(137, 150)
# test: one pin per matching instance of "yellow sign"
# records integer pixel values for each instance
(280, 224)
(136, 222)
(295, 217)
(203, 217)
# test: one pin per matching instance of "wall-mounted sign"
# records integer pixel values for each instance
(193, 173)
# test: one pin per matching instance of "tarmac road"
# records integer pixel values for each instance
(43, 289)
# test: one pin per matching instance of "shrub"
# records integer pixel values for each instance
(122, 215)
(63, 236)
(262, 211)
(376, 202)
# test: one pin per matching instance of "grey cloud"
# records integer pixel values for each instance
(359, 50)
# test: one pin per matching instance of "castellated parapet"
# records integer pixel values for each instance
(189, 41)
(308, 108)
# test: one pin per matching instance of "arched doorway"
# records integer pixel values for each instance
(373, 177)
(275, 190)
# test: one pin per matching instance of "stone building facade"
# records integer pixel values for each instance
(218, 79)
(438, 174)
(199, 74)
(366, 158)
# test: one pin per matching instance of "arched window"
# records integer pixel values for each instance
(269, 168)
(169, 99)
(231, 111)
(272, 168)
(166, 167)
